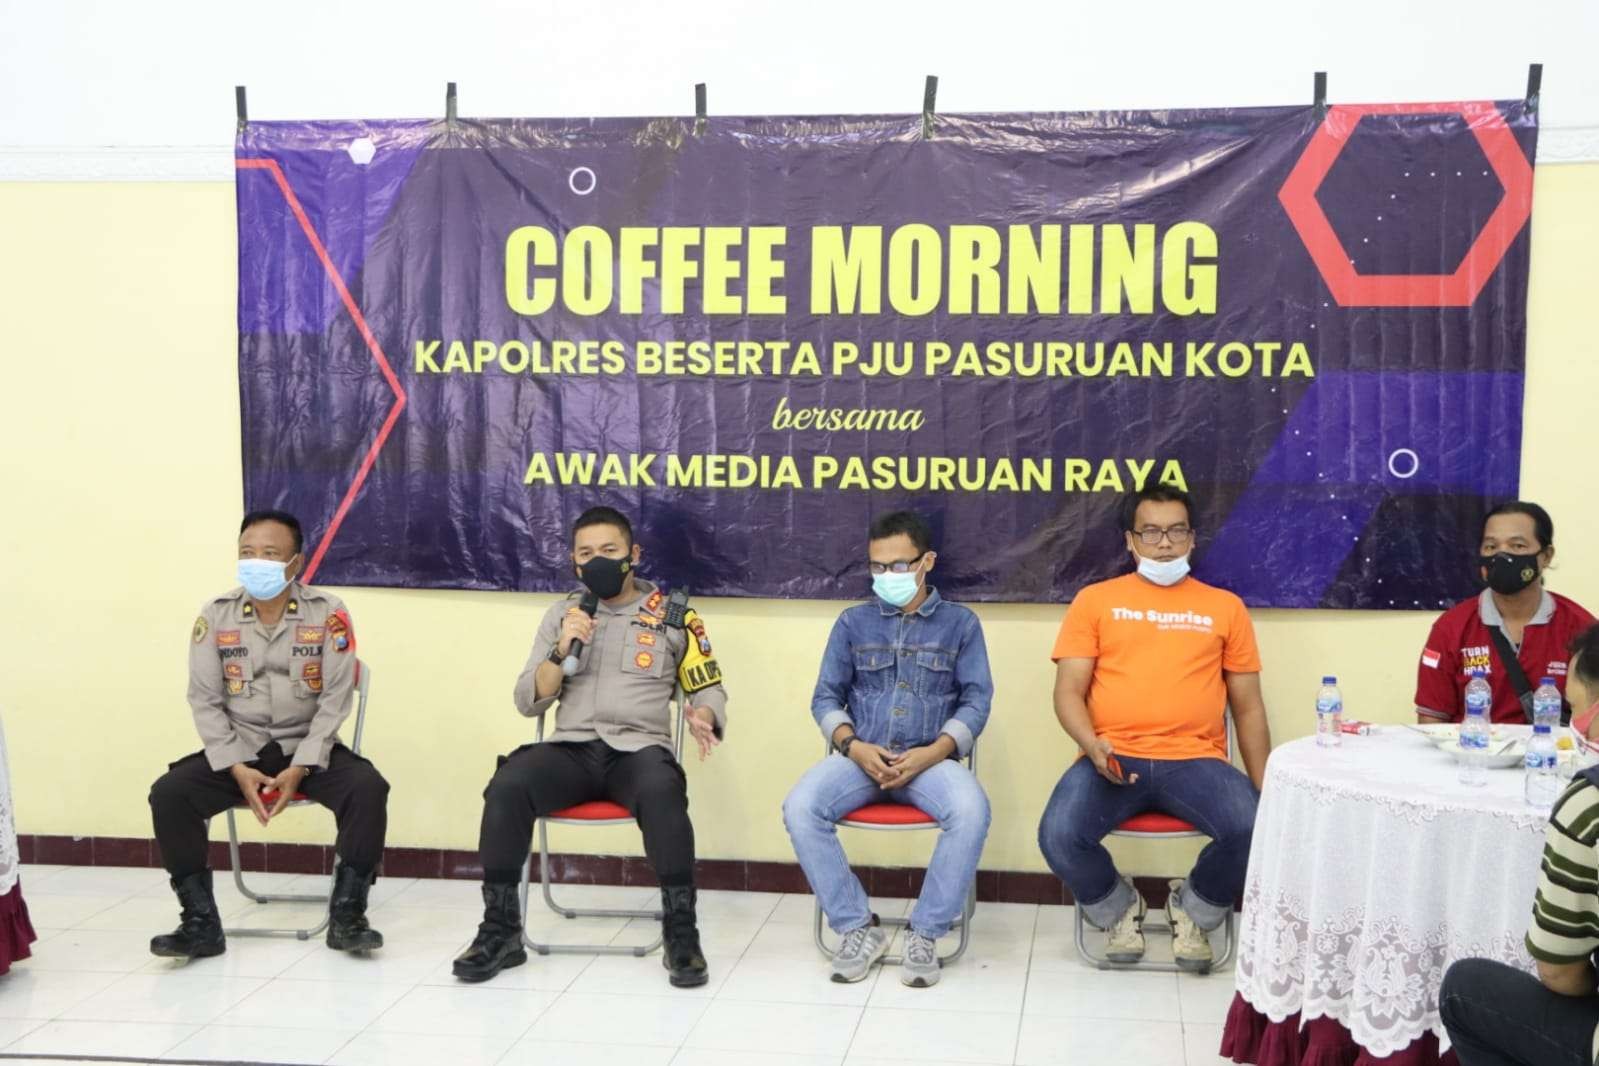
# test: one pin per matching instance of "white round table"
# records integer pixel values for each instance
(15, 931)
(1371, 870)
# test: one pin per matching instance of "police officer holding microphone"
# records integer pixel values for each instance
(612, 654)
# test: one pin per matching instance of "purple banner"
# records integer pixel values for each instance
(754, 337)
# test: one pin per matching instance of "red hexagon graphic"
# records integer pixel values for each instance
(1353, 289)
(376, 350)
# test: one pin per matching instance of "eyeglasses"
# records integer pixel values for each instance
(1179, 534)
(899, 566)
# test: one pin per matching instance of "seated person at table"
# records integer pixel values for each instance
(271, 670)
(1582, 686)
(1146, 667)
(612, 741)
(904, 691)
(1536, 625)
(1496, 1014)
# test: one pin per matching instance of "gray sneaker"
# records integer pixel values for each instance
(920, 966)
(861, 948)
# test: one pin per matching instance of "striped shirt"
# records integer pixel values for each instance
(1565, 914)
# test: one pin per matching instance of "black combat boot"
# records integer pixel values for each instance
(682, 957)
(498, 945)
(199, 933)
(347, 925)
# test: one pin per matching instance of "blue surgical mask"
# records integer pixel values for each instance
(1168, 572)
(262, 578)
(894, 589)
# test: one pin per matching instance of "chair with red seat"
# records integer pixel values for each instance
(594, 812)
(363, 685)
(903, 817)
(1157, 825)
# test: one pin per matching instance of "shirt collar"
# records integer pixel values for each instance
(1488, 610)
(244, 609)
(925, 610)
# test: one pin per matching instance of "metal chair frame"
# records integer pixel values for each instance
(1229, 927)
(363, 686)
(639, 950)
(963, 923)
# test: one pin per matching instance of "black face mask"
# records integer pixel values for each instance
(1508, 574)
(604, 577)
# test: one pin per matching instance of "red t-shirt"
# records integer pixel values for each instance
(1461, 642)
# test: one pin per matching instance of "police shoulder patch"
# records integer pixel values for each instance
(340, 631)
(201, 628)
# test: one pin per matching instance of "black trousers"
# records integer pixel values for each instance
(538, 779)
(190, 792)
(1499, 1016)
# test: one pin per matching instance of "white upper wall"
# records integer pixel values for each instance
(85, 78)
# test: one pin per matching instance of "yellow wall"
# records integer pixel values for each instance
(121, 488)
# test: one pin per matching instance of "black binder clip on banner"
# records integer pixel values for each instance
(929, 98)
(699, 109)
(1320, 91)
(449, 102)
(1534, 86)
(239, 108)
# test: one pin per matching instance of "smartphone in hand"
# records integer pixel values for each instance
(1114, 765)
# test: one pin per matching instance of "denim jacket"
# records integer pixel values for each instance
(902, 679)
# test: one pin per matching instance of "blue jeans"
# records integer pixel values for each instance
(835, 786)
(1497, 1016)
(1210, 794)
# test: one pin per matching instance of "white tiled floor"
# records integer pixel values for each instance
(1020, 995)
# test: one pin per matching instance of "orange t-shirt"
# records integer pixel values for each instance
(1159, 653)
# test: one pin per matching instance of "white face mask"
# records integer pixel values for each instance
(1168, 572)
(897, 590)
(263, 579)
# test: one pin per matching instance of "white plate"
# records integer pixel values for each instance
(1447, 734)
(1505, 752)
(1514, 755)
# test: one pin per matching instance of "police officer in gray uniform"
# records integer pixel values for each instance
(612, 741)
(272, 668)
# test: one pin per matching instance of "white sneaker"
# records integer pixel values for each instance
(1190, 945)
(1127, 934)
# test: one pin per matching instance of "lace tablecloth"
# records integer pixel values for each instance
(1372, 869)
(15, 931)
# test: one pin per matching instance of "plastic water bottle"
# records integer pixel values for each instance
(1546, 705)
(1329, 714)
(1542, 769)
(1474, 731)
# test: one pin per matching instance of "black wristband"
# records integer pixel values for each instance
(843, 745)
(555, 655)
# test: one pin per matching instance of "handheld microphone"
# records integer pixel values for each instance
(589, 604)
